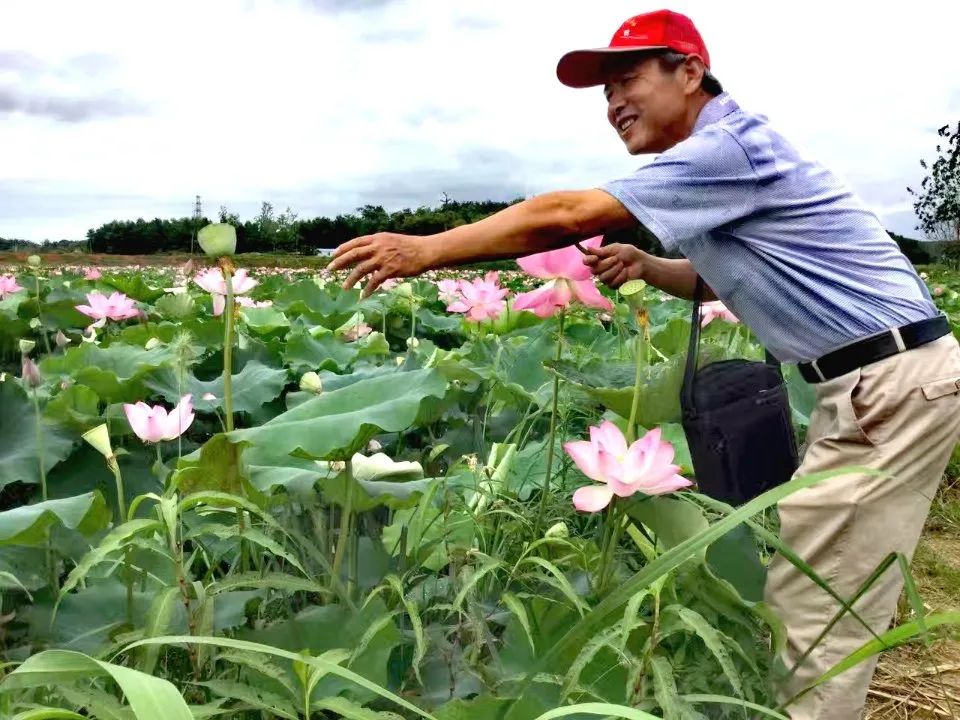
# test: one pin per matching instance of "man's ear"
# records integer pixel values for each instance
(693, 72)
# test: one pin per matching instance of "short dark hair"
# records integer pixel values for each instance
(670, 61)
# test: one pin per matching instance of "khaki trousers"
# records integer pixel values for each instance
(901, 416)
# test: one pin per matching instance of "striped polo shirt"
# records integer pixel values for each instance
(781, 240)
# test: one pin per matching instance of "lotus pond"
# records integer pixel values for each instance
(251, 494)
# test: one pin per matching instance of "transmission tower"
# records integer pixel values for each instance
(197, 215)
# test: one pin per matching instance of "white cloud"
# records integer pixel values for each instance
(325, 104)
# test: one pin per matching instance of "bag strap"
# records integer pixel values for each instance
(693, 348)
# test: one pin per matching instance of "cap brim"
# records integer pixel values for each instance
(586, 68)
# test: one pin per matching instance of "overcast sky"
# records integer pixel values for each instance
(126, 109)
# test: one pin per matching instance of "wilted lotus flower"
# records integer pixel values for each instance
(218, 239)
(646, 466)
(481, 299)
(153, 424)
(101, 308)
(716, 310)
(8, 286)
(356, 331)
(570, 279)
(310, 382)
(244, 301)
(213, 282)
(30, 373)
(92, 273)
(61, 340)
(449, 291)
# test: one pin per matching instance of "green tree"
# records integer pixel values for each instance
(938, 200)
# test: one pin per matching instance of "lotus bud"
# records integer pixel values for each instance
(26, 346)
(938, 291)
(99, 439)
(35, 323)
(310, 382)
(560, 530)
(34, 261)
(30, 373)
(61, 340)
(338, 466)
(374, 446)
(152, 343)
(412, 342)
(218, 239)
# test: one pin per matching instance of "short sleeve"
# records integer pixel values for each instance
(696, 186)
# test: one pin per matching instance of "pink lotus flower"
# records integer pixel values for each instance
(481, 299)
(389, 284)
(716, 310)
(213, 282)
(102, 308)
(8, 286)
(646, 466)
(92, 273)
(449, 290)
(570, 279)
(153, 424)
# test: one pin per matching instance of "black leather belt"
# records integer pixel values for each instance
(874, 348)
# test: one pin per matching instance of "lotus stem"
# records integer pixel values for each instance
(226, 268)
(344, 523)
(43, 333)
(553, 429)
(51, 570)
(641, 360)
(122, 509)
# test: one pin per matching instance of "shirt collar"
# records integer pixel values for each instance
(718, 107)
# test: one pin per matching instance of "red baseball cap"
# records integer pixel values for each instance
(658, 30)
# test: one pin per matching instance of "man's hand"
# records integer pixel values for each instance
(381, 256)
(617, 263)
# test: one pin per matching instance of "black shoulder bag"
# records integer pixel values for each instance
(736, 416)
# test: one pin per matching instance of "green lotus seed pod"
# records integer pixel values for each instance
(218, 239)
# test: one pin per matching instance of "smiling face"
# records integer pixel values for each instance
(652, 107)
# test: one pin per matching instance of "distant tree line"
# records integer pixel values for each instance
(271, 232)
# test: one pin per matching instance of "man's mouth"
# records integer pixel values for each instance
(624, 123)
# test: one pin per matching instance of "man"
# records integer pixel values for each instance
(793, 253)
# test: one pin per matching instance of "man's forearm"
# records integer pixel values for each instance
(541, 223)
(676, 277)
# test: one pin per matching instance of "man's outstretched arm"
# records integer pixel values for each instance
(541, 223)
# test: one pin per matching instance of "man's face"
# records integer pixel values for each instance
(646, 104)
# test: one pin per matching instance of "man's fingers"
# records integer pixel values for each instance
(608, 263)
(373, 283)
(619, 279)
(611, 272)
(358, 272)
(351, 257)
(340, 255)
